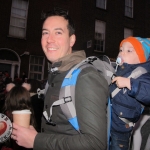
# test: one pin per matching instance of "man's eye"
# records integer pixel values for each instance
(44, 33)
(58, 33)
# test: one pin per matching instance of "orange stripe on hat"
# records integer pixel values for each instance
(137, 46)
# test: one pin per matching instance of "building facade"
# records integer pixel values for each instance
(100, 26)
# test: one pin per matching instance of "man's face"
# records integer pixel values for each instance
(128, 54)
(55, 40)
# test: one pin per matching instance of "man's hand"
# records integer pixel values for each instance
(122, 82)
(23, 136)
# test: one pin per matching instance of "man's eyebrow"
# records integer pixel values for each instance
(44, 30)
(54, 29)
(59, 29)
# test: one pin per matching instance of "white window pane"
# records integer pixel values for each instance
(36, 67)
(129, 8)
(130, 3)
(128, 32)
(99, 26)
(15, 3)
(18, 18)
(13, 31)
(17, 22)
(126, 2)
(20, 4)
(101, 4)
(99, 36)
(24, 5)
(18, 13)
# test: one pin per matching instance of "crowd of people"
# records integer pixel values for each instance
(4, 80)
(18, 95)
(91, 94)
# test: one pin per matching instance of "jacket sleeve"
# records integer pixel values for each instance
(140, 88)
(91, 98)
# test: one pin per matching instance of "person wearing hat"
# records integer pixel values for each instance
(126, 104)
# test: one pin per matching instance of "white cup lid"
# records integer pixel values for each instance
(25, 111)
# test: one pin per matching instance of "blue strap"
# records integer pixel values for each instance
(71, 81)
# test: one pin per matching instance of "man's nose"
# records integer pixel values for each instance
(50, 38)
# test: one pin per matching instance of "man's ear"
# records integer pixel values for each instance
(72, 40)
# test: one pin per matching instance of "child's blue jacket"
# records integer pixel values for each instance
(127, 103)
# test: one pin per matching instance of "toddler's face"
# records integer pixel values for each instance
(128, 54)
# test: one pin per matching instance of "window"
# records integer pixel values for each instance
(128, 32)
(129, 8)
(36, 67)
(101, 4)
(99, 36)
(18, 18)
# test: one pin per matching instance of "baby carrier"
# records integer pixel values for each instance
(67, 91)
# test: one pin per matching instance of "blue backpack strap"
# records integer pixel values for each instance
(68, 91)
(67, 96)
(66, 100)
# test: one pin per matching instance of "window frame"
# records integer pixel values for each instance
(99, 2)
(16, 16)
(103, 33)
(38, 65)
(126, 32)
(129, 6)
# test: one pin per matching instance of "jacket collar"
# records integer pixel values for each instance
(68, 61)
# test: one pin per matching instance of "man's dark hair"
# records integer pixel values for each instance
(71, 26)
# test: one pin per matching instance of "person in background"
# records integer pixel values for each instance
(7, 78)
(127, 103)
(92, 91)
(37, 103)
(24, 76)
(18, 98)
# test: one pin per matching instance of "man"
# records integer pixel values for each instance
(58, 38)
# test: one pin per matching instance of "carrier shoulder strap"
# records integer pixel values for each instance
(147, 147)
(67, 91)
(135, 74)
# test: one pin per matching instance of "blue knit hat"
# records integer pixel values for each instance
(146, 46)
(141, 46)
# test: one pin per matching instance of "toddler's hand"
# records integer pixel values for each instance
(122, 82)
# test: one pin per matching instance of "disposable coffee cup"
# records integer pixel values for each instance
(22, 117)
